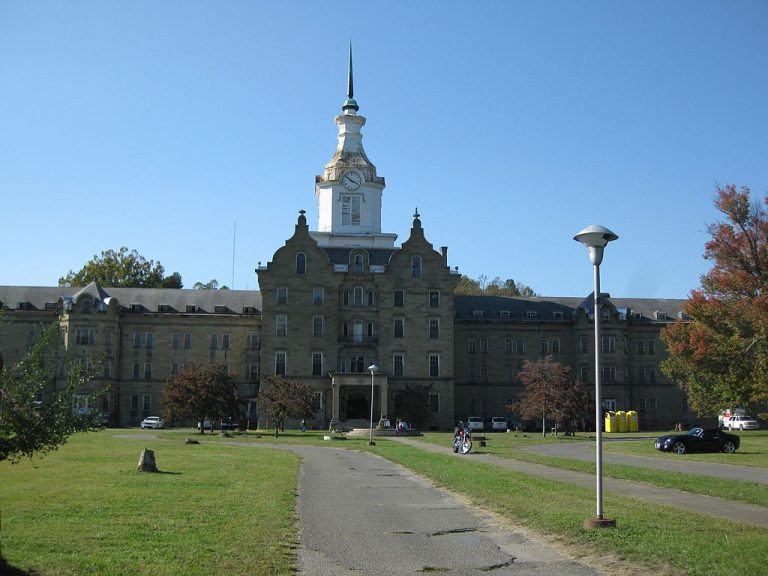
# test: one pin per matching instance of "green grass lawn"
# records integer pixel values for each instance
(213, 509)
(221, 507)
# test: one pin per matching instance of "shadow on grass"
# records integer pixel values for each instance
(8, 570)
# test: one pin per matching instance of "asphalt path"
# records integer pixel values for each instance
(708, 505)
(361, 514)
(680, 463)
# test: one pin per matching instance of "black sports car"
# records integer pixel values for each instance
(699, 440)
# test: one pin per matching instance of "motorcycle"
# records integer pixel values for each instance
(462, 439)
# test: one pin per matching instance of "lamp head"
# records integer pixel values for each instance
(595, 238)
(373, 368)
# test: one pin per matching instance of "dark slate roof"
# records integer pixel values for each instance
(546, 307)
(150, 299)
(377, 256)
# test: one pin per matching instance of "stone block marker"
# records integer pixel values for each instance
(147, 461)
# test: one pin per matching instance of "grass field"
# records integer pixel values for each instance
(85, 509)
(222, 508)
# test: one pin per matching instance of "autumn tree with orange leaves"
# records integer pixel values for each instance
(719, 354)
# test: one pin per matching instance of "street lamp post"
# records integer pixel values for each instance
(595, 238)
(373, 369)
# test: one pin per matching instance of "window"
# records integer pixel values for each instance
(641, 347)
(345, 297)
(434, 328)
(584, 373)
(317, 364)
(555, 346)
(398, 364)
(147, 403)
(434, 299)
(652, 375)
(357, 364)
(434, 402)
(484, 375)
(471, 346)
(557, 315)
(252, 372)
(583, 344)
(609, 404)
(318, 295)
(214, 341)
(530, 314)
(253, 340)
(301, 263)
(350, 210)
(84, 336)
(175, 340)
(399, 324)
(187, 341)
(282, 295)
(651, 347)
(609, 374)
(358, 263)
(317, 325)
(545, 346)
(358, 296)
(641, 375)
(135, 370)
(399, 297)
(608, 344)
(281, 325)
(370, 329)
(370, 298)
(318, 405)
(174, 370)
(147, 371)
(643, 404)
(483, 345)
(520, 346)
(137, 339)
(504, 314)
(149, 339)
(357, 331)
(416, 267)
(280, 362)
(509, 345)
(107, 369)
(225, 341)
(434, 365)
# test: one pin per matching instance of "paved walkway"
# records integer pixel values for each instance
(709, 505)
(361, 514)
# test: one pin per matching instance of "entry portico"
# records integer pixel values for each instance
(351, 397)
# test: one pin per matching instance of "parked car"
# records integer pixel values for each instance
(498, 424)
(475, 424)
(230, 423)
(207, 424)
(152, 422)
(699, 440)
(741, 423)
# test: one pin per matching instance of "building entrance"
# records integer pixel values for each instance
(358, 404)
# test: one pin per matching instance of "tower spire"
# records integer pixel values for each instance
(350, 103)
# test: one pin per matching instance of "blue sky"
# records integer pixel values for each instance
(510, 125)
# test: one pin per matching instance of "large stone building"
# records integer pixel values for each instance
(338, 300)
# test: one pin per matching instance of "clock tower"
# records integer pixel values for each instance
(349, 192)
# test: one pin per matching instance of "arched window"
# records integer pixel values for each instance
(301, 263)
(370, 297)
(358, 263)
(416, 266)
(358, 296)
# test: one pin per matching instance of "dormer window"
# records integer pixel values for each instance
(660, 315)
(505, 314)
(531, 315)
(478, 314)
(557, 315)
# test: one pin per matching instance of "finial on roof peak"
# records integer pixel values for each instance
(416, 213)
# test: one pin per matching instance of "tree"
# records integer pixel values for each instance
(212, 285)
(282, 398)
(35, 416)
(122, 269)
(496, 287)
(413, 405)
(719, 353)
(550, 392)
(199, 392)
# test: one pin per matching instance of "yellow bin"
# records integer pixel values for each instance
(621, 421)
(610, 422)
(632, 421)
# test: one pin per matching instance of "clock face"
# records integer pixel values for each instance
(351, 180)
